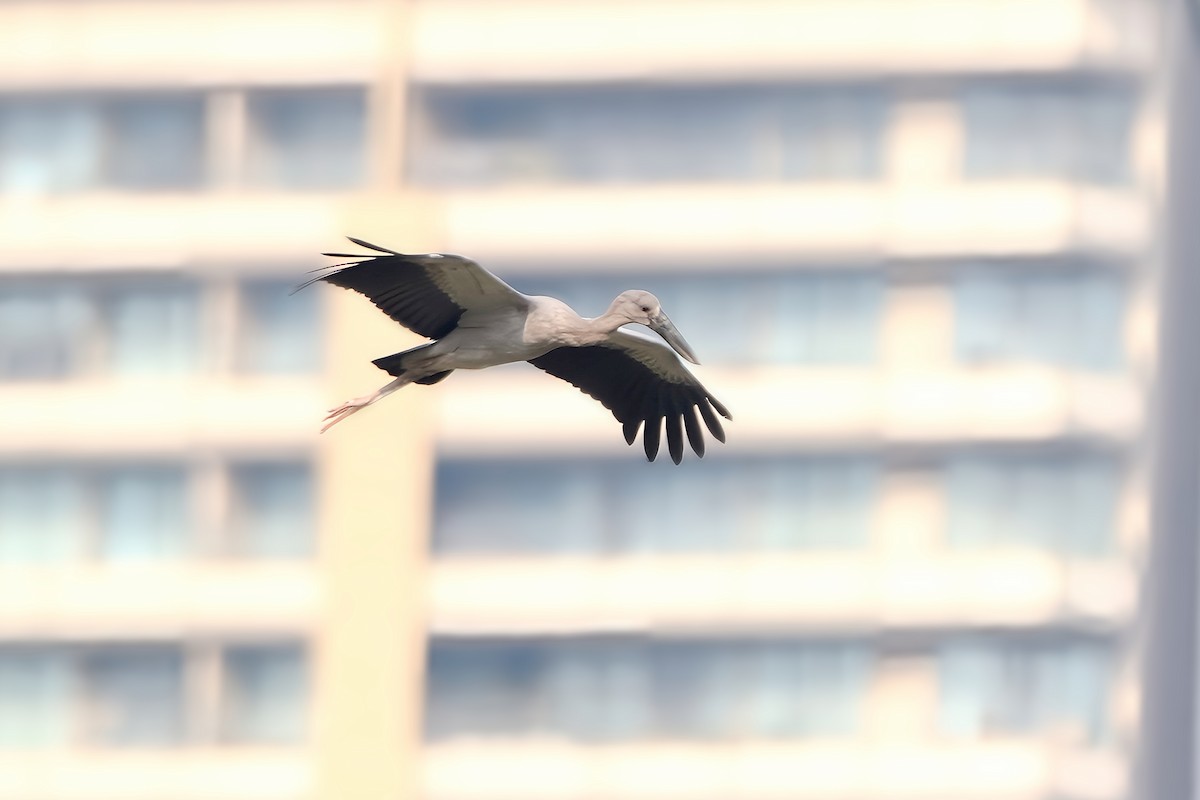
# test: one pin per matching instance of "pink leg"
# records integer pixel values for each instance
(351, 407)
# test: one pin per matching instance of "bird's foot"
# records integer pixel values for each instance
(346, 409)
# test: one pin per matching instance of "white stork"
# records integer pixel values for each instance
(477, 320)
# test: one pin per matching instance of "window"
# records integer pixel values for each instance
(307, 138)
(63, 143)
(1003, 686)
(62, 327)
(140, 696)
(134, 697)
(49, 145)
(156, 142)
(626, 689)
(1071, 132)
(817, 317)
(145, 513)
(44, 330)
(159, 325)
(60, 513)
(280, 331)
(634, 134)
(1063, 318)
(273, 510)
(480, 689)
(36, 699)
(155, 328)
(1064, 504)
(43, 514)
(517, 508)
(815, 503)
(807, 690)
(595, 691)
(265, 694)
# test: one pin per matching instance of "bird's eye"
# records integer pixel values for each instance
(646, 309)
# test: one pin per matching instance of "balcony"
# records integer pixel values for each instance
(476, 41)
(778, 593)
(155, 601)
(840, 407)
(147, 44)
(991, 770)
(190, 774)
(153, 417)
(783, 223)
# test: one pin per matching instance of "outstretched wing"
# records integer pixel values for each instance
(641, 381)
(426, 293)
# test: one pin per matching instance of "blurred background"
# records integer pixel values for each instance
(911, 240)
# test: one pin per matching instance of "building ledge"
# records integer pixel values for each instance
(156, 600)
(477, 41)
(858, 592)
(185, 774)
(865, 408)
(855, 771)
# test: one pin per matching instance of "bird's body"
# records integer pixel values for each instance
(478, 321)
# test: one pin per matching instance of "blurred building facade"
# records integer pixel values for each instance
(910, 241)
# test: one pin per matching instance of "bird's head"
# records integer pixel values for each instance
(643, 308)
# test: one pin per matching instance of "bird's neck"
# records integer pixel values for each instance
(605, 324)
(585, 331)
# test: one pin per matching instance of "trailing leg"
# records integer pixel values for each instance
(350, 407)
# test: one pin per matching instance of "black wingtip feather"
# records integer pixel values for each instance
(630, 429)
(374, 247)
(652, 436)
(674, 438)
(721, 409)
(695, 436)
(714, 424)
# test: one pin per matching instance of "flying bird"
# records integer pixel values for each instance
(477, 320)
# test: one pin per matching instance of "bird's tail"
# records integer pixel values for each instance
(394, 365)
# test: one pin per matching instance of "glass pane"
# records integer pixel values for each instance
(606, 134)
(686, 509)
(44, 331)
(134, 697)
(43, 515)
(697, 688)
(547, 507)
(1072, 132)
(1063, 318)
(832, 135)
(281, 331)
(36, 699)
(156, 142)
(273, 511)
(266, 694)
(822, 504)
(307, 138)
(616, 689)
(145, 513)
(1011, 687)
(517, 508)
(600, 691)
(482, 689)
(824, 318)
(1060, 504)
(799, 690)
(155, 329)
(49, 145)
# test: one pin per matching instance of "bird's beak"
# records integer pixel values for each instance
(662, 325)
